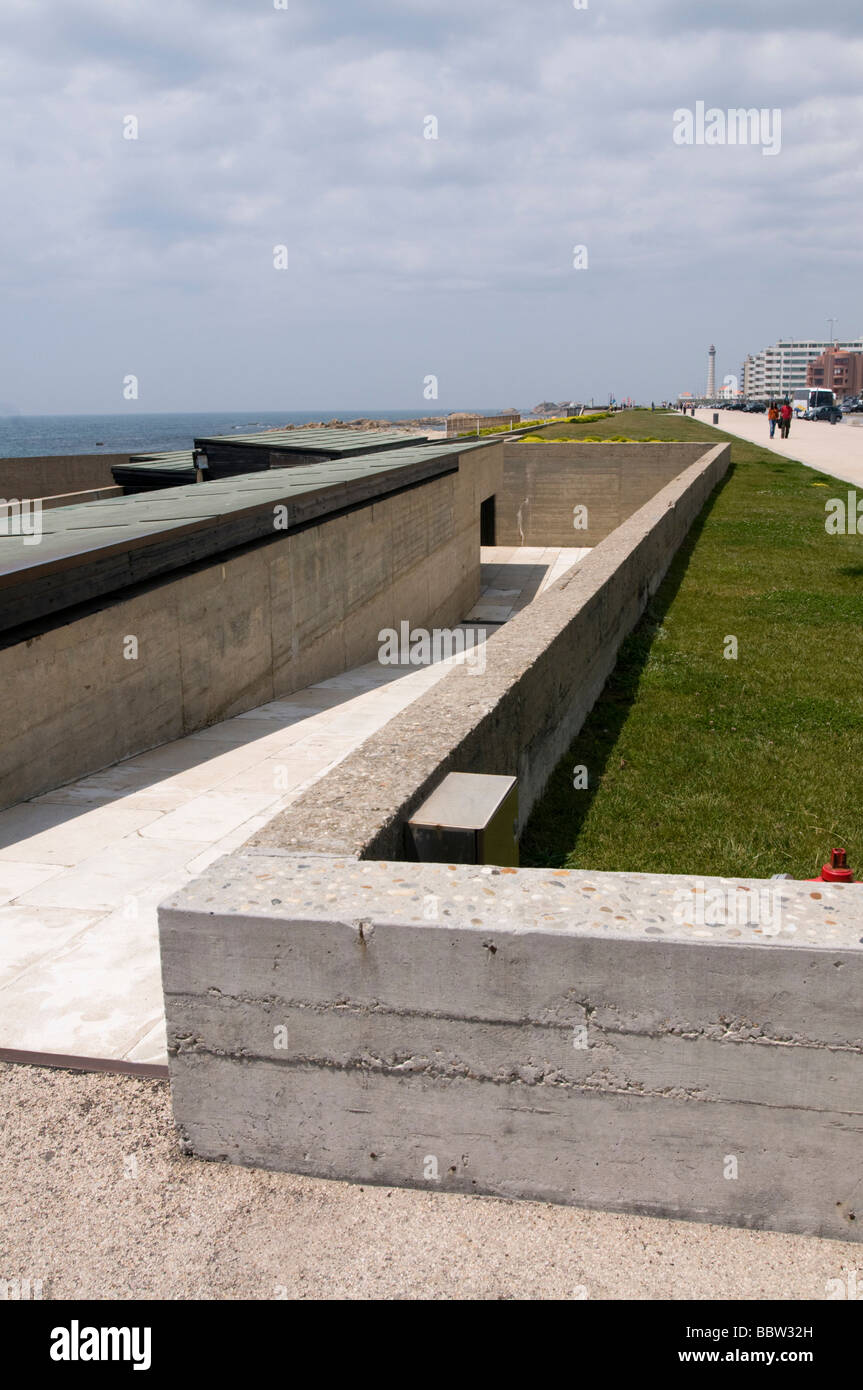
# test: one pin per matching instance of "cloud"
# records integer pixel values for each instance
(305, 126)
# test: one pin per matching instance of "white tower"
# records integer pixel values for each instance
(711, 372)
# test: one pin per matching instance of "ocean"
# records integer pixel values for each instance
(30, 436)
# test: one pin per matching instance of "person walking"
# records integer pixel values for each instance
(785, 416)
(773, 416)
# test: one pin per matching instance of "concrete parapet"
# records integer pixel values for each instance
(580, 1037)
(52, 475)
(65, 499)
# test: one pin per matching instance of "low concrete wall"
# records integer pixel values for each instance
(224, 636)
(67, 499)
(50, 476)
(544, 671)
(568, 1037)
(543, 483)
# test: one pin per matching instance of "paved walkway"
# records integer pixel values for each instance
(833, 449)
(83, 868)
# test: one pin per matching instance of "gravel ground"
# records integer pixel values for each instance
(98, 1202)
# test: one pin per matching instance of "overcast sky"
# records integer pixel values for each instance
(411, 257)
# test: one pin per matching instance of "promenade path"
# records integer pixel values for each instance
(84, 867)
(833, 449)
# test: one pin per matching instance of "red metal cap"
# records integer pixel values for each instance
(837, 870)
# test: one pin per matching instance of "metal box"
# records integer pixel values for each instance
(471, 818)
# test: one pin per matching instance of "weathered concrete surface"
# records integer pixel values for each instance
(543, 673)
(572, 1037)
(543, 483)
(50, 476)
(224, 636)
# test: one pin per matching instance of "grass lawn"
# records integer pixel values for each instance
(697, 763)
(636, 424)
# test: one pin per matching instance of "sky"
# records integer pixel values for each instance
(415, 264)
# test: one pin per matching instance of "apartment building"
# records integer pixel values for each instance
(837, 371)
(782, 369)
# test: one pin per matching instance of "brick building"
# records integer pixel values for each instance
(837, 370)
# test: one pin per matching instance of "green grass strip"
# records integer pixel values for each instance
(697, 763)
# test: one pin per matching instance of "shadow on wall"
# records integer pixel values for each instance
(550, 846)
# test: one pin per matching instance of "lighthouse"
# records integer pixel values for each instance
(711, 373)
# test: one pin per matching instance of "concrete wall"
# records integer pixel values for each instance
(568, 1037)
(542, 483)
(544, 670)
(66, 499)
(51, 476)
(222, 637)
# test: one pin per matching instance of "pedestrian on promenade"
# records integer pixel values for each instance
(773, 416)
(785, 416)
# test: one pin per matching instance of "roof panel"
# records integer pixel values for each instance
(80, 553)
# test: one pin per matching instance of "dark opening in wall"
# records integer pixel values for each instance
(486, 522)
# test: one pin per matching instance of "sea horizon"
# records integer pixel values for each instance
(35, 436)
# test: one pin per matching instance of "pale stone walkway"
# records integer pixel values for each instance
(83, 868)
(833, 449)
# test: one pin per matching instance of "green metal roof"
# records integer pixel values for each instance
(173, 456)
(333, 441)
(98, 547)
(179, 463)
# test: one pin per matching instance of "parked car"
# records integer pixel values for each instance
(756, 407)
(832, 413)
